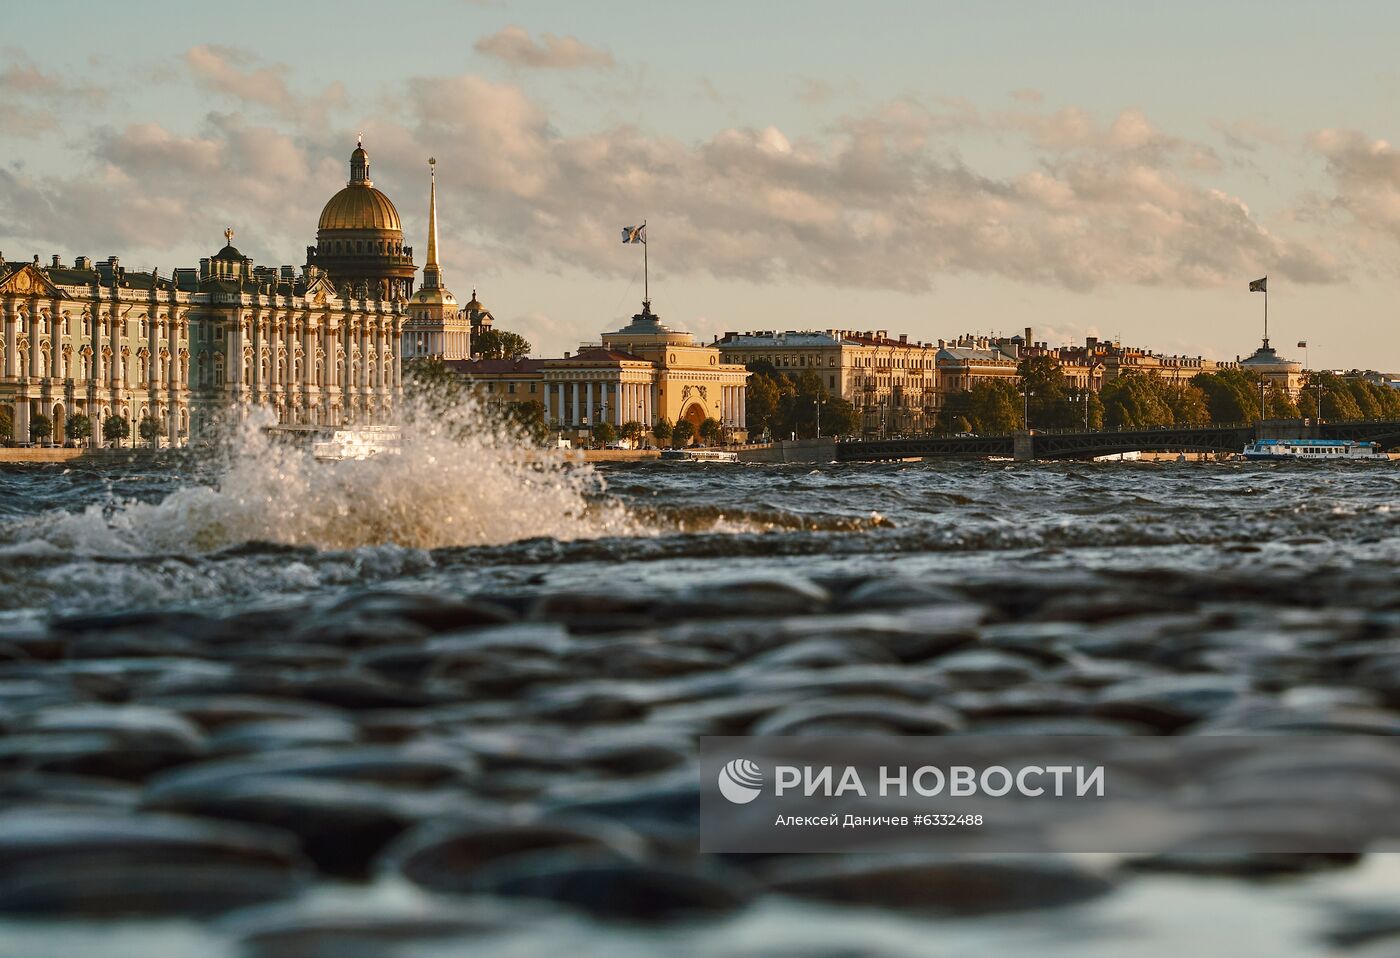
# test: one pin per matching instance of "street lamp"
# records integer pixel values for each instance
(817, 401)
(1026, 394)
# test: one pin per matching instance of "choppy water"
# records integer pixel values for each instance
(238, 540)
(180, 530)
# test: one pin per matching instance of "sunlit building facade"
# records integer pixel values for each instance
(316, 345)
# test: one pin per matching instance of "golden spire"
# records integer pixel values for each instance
(432, 274)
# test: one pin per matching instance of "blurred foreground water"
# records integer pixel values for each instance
(449, 700)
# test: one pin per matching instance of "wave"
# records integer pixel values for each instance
(458, 481)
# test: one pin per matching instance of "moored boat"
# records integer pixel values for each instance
(356, 443)
(699, 455)
(1314, 450)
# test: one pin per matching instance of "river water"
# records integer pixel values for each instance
(269, 617)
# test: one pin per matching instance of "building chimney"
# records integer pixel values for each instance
(903, 337)
(1028, 335)
(82, 262)
(55, 263)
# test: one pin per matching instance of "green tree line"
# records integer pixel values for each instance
(1142, 401)
(780, 405)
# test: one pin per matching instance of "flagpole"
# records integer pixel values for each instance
(1266, 310)
(646, 273)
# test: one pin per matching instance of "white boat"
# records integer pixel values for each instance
(1133, 455)
(356, 443)
(1315, 450)
(699, 455)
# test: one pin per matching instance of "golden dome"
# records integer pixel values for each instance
(360, 207)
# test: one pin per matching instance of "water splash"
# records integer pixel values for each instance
(458, 480)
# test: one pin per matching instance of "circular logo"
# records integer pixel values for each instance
(740, 781)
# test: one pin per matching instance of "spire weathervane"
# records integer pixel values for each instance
(432, 273)
(228, 236)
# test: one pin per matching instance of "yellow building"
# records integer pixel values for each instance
(891, 383)
(642, 372)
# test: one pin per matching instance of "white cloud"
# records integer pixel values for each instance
(515, 46)
(875, 202)
(30, 98)
(238, 75)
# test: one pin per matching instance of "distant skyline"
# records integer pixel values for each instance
(940, 168)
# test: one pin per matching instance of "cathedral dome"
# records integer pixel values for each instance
(359, 238)
(360, 207)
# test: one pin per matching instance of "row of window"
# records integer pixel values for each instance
(343, 246)
(802, 361)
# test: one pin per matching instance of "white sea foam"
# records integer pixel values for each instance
(456, 481)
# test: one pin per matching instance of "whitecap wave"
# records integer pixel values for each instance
(457, 481)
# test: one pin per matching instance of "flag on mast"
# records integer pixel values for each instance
(635, 234)
(1302, 344)
(1259, 285)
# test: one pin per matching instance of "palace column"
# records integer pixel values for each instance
(35, 369)
(617, 396)
(114, 337)
(95, 375)
(574, 420)
(308, 365)
(153, 347)
(589, 415)
(235, 360)
(56, 343)
(381, 351)
(743, 408)
(274, 357)
(11, 337)
(258, 384)
(398, 354)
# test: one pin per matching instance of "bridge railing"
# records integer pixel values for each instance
(1077, 431)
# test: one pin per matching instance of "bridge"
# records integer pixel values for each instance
(1036, 444)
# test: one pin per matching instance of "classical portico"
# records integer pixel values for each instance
(641, 373)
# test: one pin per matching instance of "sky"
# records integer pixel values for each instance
(928, 168)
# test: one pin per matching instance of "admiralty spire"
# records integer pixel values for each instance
(437, 328)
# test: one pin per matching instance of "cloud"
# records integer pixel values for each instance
(29, 97)
(876, 201)
(872, 204)
(514, 46)
(1365, 192)
(238, 74)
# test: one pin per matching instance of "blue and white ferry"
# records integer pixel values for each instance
(1320, 450)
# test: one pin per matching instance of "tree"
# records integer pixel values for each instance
(839, 418)
(149, 430)
(763, 396)
(1231, 395)
(1135, 401)
(40, 428)
(605, 433)
(989, 407)
(681, 433)
(500, 344)
(662, 430)
(633, 432)
(1188, 405)
(115, 428)
(77, 426)
(1050, 405)
(711, 431)
(528, 417)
